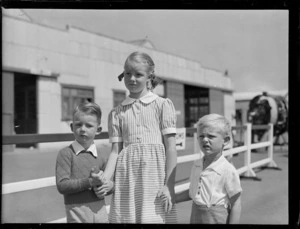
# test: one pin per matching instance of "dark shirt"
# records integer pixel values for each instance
(72, 175)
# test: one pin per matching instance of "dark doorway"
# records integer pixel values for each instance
(196, 104)
(25, 106)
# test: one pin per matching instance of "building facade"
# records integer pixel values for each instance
(46, 71)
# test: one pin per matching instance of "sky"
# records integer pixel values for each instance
(252, 45)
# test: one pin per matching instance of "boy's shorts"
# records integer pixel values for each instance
(93, 212)
(201, 214)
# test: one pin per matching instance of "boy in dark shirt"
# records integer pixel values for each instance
(75, 164)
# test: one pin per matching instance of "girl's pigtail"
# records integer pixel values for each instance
(154, 80)
(121, 76)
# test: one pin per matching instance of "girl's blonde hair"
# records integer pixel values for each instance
(217, 121)
(145, 59)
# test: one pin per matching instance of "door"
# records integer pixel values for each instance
(25, 105)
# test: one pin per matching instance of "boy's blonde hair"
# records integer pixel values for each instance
(217, 121)
(89, 108)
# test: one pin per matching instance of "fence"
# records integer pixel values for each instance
(246, 170)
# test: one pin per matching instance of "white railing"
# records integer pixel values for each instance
(246, 170)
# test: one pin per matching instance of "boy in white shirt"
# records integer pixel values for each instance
(214, 182)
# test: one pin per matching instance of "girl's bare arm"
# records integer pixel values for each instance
(112, 160)
(171, 160)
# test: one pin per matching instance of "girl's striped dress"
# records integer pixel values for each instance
(140, 171)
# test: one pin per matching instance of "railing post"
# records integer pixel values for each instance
(196, 144)
(270, 148)
(247, 157)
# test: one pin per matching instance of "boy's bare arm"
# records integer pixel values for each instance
(182, 196)
(235, 212)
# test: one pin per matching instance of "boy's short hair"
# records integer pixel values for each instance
(89, 108)
(217, 121)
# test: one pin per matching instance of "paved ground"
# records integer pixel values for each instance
(263, 202)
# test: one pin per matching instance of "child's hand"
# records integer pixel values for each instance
(166, 202)
(165, 198)
(102, 191)
(95, 174)
(103, 177)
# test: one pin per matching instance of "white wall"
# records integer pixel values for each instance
(86, 59)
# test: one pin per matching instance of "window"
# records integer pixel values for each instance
(204, 100)
(72, 96)
(118, 97)
(196, 104)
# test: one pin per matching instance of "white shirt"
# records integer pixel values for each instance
(215, 184)
(78, 148)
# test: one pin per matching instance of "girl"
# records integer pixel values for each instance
(142, 131)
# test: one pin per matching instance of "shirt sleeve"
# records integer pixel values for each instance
(168, 118)
(65, 184)
(232, 183)
(114, 127)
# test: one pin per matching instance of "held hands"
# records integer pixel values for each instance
(97, 178)
(102, 190)
(101, 185)
(165, 198)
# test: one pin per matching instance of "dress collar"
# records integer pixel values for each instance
(148, 98)
(78, 148)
